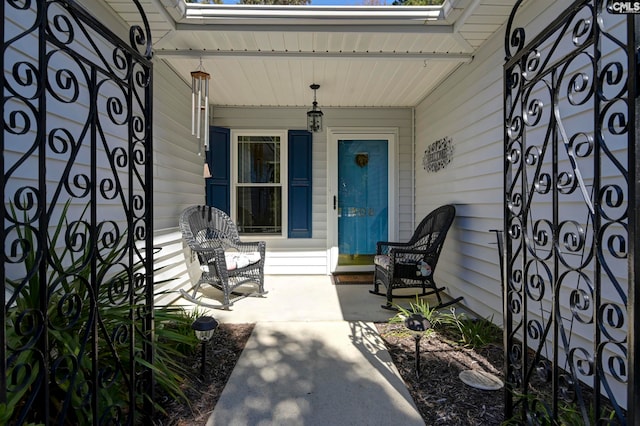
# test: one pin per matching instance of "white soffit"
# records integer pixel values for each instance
(362, 56)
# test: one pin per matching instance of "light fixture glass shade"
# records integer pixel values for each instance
(314, 120)
(200, 106)
(314, 115)
(417, 324)
(204, 328)
(205, 335)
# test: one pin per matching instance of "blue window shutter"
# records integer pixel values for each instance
(218, 186)
(300, 200)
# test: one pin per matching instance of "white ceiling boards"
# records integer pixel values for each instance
(362, 56)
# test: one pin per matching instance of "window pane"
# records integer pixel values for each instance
(259, 210)
(258, 159)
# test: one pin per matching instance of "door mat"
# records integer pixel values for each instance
(340, 279)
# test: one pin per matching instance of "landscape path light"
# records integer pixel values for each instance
(204, 328)
(417, 325)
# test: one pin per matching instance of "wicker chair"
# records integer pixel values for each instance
(412, 264)
(226, 262)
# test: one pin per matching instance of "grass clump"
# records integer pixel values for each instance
(474, 332)
(468, 332)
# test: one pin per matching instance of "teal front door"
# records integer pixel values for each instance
(362, 199)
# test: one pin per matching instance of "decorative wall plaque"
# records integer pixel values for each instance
(438, 155)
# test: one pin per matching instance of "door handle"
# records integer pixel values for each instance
(335, 202)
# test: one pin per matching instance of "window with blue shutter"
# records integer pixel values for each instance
(299, 188)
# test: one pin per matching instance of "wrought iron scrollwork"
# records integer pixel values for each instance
(567, 195)
(77, 224)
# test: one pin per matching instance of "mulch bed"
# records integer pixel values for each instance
(203, 392)
(440, 396)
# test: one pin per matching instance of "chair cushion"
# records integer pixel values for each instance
(237, 260)
(382, 260)
(421, 268)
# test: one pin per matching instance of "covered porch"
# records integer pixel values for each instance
(540, 145)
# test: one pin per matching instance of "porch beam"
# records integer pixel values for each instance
(430, 56)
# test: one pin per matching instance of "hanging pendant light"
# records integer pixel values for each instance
(200, 106)
(314, 115)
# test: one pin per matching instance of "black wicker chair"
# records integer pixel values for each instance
(226, 262)
(412, 264)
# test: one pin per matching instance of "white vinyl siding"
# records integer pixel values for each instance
(468, 108)
(178, 180)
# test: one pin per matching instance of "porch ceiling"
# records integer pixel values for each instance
(362, 56)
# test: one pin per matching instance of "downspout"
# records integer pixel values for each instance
(413, 167)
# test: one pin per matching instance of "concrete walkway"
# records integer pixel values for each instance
(314, 358)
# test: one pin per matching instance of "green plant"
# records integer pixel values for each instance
(569, 413)
(65, 284)
(472, 332)
(419, 307)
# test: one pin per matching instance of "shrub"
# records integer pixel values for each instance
(86, 310)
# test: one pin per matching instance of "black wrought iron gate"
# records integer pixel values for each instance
(77, 218)
(570, 247)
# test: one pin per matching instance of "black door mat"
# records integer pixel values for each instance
(363, 279)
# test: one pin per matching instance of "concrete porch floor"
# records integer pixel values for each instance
(305, 298)
(314, 358)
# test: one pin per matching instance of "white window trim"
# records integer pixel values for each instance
(284, 175)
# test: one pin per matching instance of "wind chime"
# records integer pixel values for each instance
(200, 107)
(200, 111)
